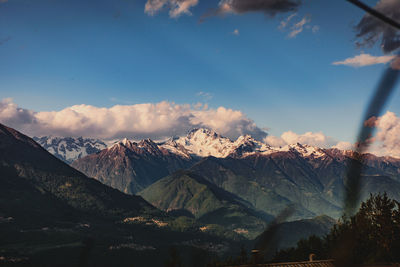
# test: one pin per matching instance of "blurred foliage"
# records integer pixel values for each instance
(372, 235)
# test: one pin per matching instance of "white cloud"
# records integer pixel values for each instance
(385, 142)
(387, 137)
(342, 145)
(286, 21)
(176, 7)
(165, 119)
(153, 120)
(317, 139)
(299, 26)
(364, 60)
(274, 141)
(14, 116)
(309, 138)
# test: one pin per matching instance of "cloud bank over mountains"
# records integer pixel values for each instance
(309, 138)
(165, 119)
(150, 120)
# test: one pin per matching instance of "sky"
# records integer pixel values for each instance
(290, 70)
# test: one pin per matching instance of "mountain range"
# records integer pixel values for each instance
(202, 191)
(269, 178)
(53, 215)
(209, 184)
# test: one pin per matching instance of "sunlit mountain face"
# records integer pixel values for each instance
(180, 132)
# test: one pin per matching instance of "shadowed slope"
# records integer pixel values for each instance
(23, 158)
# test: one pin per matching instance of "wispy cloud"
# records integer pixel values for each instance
(284, 23)
(299, 26)
(205, 95)
(364, 60)
(176, 7)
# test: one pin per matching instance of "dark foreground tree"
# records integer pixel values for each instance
(175, 259)
(370, 236)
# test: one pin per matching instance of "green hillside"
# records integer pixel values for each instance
(187, 192)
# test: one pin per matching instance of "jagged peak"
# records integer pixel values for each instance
(71, 142)
(245, 139)
(203, 132)
(125, 142)
(147, 143)
(304, 150)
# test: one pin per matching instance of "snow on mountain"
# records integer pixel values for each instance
(176, 148)
(198, 142)
(305, 150)
(246, 145)
(143, 146)
(204, 142)
(69, 149)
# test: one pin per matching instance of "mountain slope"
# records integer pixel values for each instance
(69, 149)
(130, 166)
(29, 205)
(23, 158)
(186, 191)
(270, 178)
(266, 185)
(53, 215)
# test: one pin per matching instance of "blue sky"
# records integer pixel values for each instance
(56, 54)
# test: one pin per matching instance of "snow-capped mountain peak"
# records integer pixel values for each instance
(204, 142)
(69, 149)
(125, 141)
(304, 150)
(176, 148)
(200, 142)
(202, 133)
